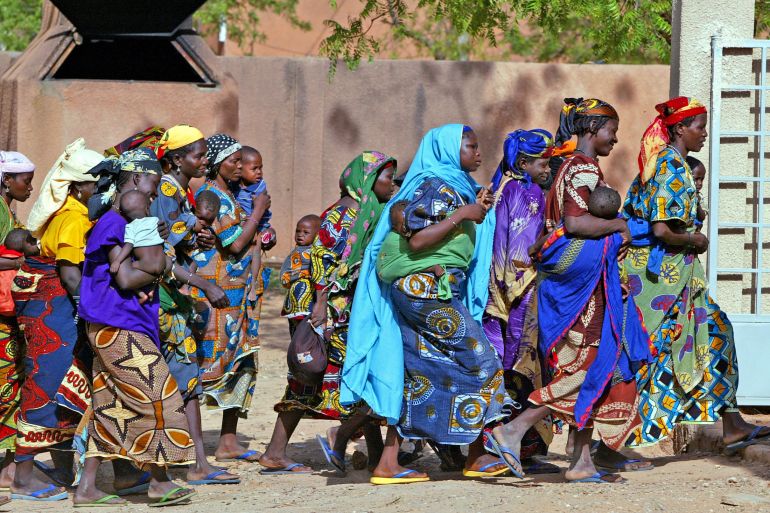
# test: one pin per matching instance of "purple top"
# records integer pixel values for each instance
(101, 300)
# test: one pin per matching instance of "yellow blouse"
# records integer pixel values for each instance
(65, 235)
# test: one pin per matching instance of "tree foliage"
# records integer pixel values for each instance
(243, 18)
(19, 22)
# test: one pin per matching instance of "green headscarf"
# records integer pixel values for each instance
(357, 181)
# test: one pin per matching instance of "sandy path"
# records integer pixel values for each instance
(690, 483)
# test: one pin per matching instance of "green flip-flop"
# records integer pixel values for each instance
(167, 501)
(102, 503)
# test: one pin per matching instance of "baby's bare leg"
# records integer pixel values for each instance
(150, 260)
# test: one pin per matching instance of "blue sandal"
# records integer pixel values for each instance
(332, 457)
(599, 478)
(753, 438)
(283, 471)
(501, 451)
(36, 495)
(212, 479)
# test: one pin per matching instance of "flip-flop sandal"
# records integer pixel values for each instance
(167, 501)
(53, 474)
(501, 451)
(241, 457)
(332, 457)
(141, 486)
(102, 503)
(621, 466)
(540, 467)
(36, 495)
(399, 478)
(482, 472)
(752, 439)
(283, 471)
(598, 478)
(212, 479)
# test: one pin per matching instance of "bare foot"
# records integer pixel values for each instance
(486, 459)
(608, 458)
(158, 489)
(236, 451)
(34, 484)
(510, 436)
(741, 430)
(200, 472)
(7, 475)
(94, 495)
(384, 470)
(282, 463)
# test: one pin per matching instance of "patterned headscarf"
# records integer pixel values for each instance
(357, 181)
(220, 146)
(537, 143)
(138, 160)
(13, 162)
(576, 108)
(72, 166)
(656, 136)
(147, 138)
(179, 136)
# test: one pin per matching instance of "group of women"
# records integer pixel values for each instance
(519, 311)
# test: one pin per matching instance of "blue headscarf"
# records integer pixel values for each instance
(374, 362)
(536, 143)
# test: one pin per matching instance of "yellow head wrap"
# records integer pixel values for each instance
(72, 166)
(178, 136)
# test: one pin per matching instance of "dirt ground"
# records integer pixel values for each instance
(700, 482)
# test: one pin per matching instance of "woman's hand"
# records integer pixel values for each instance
(163, 229)
(700, 243)
(318, 315)
(205, 240)
(198, 226)
(260, 201)
(11, 264)
(486, 198)
(625, 233)
(475, 212)
(216, 295)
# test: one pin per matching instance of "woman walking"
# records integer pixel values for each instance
(229, 348)
(47, 289)
(138, 412)
(695, 376)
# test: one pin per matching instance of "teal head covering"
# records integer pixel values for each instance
(374, 363)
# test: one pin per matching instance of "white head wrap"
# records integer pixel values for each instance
(72, 166)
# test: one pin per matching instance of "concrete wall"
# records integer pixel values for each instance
(309, 127)
(696, 23)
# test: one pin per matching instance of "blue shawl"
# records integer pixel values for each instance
(571, 268)
(374, 363)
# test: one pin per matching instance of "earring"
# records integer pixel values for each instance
(80, 195)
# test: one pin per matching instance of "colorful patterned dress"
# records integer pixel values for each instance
(327, 253)
(695, 376)
(453, 378)
(510, 321)
(177, 313)
(138, 412)
(55, 393)
(228, 351)
(11, 368)
(614, 414)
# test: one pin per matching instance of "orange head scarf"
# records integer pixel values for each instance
(656, 136)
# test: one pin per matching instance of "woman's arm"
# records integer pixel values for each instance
(213, 292)
(436, 233)
(70, 276)
(663, 231)
(249, 227)
(10, 264)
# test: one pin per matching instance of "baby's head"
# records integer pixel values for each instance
(22, 241)
(307, 229)
(397, 219)
(134, 205)
(604, 202)
(698, 171)
(207, 207)
(251, 165)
